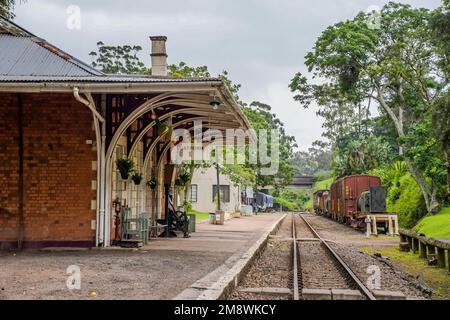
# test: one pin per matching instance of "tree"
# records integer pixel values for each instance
(358, 156)
(395, 65)
(7, 8)
(118, 59)
(261, 118)
(440, 24)
(182, 70)
(316, 160)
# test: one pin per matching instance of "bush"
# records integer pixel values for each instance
(405, 198)
(287, 205)
(295, 199)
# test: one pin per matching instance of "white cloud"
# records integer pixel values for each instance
(302, 123)
(262, 43)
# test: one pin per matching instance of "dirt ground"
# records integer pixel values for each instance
(104, 275)
(332, 230)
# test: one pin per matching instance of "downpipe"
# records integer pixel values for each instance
(101, 139)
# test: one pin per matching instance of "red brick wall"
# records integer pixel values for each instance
(9, 167)
(57, 169)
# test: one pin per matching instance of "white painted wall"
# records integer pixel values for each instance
(205, 179)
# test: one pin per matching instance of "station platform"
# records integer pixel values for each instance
(236, 235)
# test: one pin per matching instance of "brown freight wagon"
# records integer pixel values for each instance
(320, 201)
(345, 193)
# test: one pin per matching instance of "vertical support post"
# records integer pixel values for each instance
(21, 230)
(441, 257)
(166, 206)
(367, 221)
(103, 221)
(396, 224)
(391, 231)
(404, 243)
(423, 249)
(374, 225)
(431, 249)
(448, 260)
(410, 243)
(415, 245)
(218, 186)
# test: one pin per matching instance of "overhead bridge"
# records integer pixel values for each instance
(302, 182)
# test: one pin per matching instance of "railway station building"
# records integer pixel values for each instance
(63, 125)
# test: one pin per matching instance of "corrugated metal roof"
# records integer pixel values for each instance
(30, 56)
(102, 79)
(27, 58)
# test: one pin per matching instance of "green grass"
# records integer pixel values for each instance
(323, 184)
(435, 226)
(200, 216)
(435, 278)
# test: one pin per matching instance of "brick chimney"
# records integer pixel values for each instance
(159, 56)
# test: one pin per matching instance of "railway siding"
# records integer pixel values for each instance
(394, 284)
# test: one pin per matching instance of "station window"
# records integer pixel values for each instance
(194, 191)
(224, 193)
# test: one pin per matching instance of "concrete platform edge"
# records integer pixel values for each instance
(237, 266)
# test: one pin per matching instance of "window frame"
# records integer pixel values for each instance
(196, 193)
(224, 190)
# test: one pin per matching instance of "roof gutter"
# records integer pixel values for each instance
(93, 87)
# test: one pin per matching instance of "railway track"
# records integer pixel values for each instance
(320, 267)
(299, 264)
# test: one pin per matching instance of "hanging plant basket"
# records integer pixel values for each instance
(183, 179)
(162, 128)
(152, 183)
(178, 182)
(137, 178)
(125, 167)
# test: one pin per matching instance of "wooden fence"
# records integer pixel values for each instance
(427, 248)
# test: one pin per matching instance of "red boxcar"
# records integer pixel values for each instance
(320, 201)
(345, 193)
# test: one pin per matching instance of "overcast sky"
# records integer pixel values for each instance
(261, 43)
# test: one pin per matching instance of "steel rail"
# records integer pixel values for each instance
(349, 271)
(295, 265)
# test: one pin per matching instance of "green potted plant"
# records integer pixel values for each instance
(125, 167)
(137, 178)
(152, 183)
(161, 127)
(182, 179)
(185, 177)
